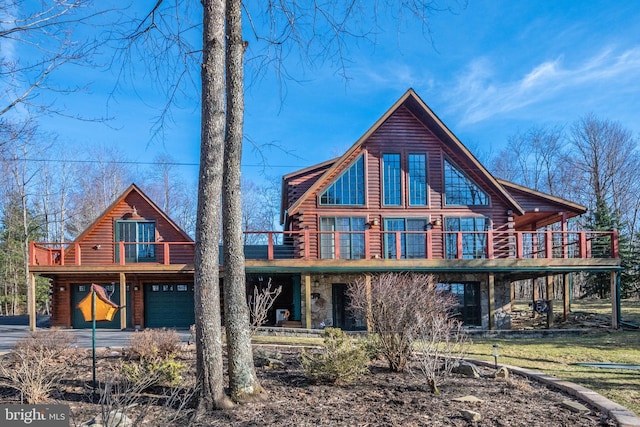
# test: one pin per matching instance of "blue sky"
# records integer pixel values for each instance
(492, 69)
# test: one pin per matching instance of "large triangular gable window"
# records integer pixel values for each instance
(348, 189)
(459, 189)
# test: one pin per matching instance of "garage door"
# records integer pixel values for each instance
(168, 305)
(113, 291)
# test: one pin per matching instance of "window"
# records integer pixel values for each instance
(413, 243)
(141, 232)
(348, 189)
(417, 179)
(351, 237)
(468, 296)
(474, 238)
(391, 182)
(459, 189)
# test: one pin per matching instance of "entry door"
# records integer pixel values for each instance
(342, 317)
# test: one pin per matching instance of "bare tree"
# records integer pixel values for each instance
(207, 290)
(260, 303)
(98, 183)
(49, 36)
(533, 159)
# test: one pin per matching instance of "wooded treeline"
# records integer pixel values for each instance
(594, 161)
(50, 193)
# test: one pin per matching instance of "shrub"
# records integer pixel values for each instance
(372, 346)
(150, 372)
(152, 344)
(36, 364)
(341, 362)
(399, 307)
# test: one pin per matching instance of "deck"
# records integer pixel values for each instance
(357, 251)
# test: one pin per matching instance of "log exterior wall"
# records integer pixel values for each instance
(402, 133)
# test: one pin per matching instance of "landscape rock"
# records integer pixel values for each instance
(575, 407)
(470, 398)
(115, 418)
(467, 369)
(502, 372)
(472, 416)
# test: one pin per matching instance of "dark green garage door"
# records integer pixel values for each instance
(113, 291)
(168, 305)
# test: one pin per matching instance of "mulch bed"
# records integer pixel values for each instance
(380, 398)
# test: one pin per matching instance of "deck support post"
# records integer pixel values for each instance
(491, 280)
(123, 301)
(306, 280)
(31, 302)
(549, 301)
(615, 300)
(535, 296)
(566, 296)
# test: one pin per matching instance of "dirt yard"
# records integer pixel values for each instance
(380, 398)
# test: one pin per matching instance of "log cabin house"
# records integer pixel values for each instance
(407, 196)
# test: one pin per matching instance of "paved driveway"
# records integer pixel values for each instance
(14, 328)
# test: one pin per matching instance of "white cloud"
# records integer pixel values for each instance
(479, 95)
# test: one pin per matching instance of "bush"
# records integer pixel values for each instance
(400, 308)
(36, 364)
(150, 372)
(341, 362)
(372, 346)
(152, 344)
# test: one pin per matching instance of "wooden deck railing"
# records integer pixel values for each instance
(310, 245)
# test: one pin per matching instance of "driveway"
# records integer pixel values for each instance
(16, 327)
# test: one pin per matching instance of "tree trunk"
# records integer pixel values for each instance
(207, 289)
(243, 382)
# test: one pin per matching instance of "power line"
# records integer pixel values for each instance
(131, 162)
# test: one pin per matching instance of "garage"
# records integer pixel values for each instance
(168, 305)
(113, 292)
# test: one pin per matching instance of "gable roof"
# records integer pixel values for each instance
(309, 175)
(424, 114)
(541, 209)
(132, 189)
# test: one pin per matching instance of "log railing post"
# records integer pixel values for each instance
(307, 249)
(121, 252)
(367, 240)
(270, 245)
(614, 244)
(489, 244)
(583, 244)
(165, 247)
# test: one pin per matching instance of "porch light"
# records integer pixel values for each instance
(62, 289)
(495, 355)
(134, 213)
(437, 222)
(374, 222)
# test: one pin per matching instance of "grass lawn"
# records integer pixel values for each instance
(555, 356)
